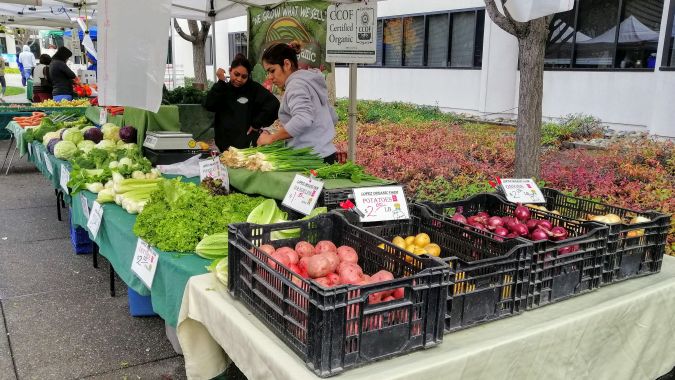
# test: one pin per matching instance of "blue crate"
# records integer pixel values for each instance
(140, 306)
(79, 237)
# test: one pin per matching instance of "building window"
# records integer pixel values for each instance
(237, 43)
(208, 50)
(3, 45)
(606, 34)
(449, 39)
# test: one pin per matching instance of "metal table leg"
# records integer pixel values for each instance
(9, 148)
(58, 205)
(95, 255)
(11, 159)
(112, 280)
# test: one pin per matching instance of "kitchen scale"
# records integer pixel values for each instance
(166, 147)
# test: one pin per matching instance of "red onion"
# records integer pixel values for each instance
(565, 250)
(459, 218)
(545, 224)
(538, 234)
(478, 226)
(520, 229)
(501, 231)
(511, 236)
(512, 222)
(506, 220)
(473, 219)
(522, 213)
(532, 224)
(483, 214)
(559, 233)
(494, 222)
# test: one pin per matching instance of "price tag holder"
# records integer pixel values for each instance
(215, 169)
(95, 217)
(522, 190)
(102, 116)
(383, 203)
(48, 163)
(85, 205)
(145, 261)
(303, 194)
(65, 177)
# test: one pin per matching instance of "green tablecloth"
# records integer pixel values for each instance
(18, 133)
(38, 158)
(275, 184)
(166, 119)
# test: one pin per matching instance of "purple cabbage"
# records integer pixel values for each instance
(93, 134)
(51, 144)
(128, 134)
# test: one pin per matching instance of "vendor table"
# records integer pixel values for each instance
(624, 331)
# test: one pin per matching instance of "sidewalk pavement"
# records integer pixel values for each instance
(57, 319)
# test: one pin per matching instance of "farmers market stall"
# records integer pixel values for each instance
(622, 331)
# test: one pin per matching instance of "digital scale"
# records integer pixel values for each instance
(166, 147)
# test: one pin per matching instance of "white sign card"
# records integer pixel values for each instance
(303, 194)
(215, 169)
(522, 190)
(85, 205)
(48, 164)
(102, 116)
(95, 217)
(381, 203)
(30, 149)
(144, 264)
(352, 33)
(64, 178)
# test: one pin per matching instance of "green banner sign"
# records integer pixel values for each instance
(302, 21)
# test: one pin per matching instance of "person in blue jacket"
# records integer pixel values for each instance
(93, 63)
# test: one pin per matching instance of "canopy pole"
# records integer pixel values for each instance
(214, 50)
(351, 150)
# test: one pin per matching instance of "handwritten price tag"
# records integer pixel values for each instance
(102, 116)
(95, 217)
(214, 169)
(48, 164)
(381, 203)
(303, 194)
(65, 177)
(522, 190)
(85, 205)
(144, 264)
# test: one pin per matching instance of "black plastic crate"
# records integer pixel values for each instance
(336, 329)
(491, 276)
(633, 250)
(559, 270)
(332, 198)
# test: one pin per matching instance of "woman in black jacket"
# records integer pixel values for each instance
(61, 75)
(242, 106)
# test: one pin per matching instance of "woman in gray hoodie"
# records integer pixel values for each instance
(307, 118)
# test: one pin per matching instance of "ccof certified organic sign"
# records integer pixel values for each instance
(64, 178)
(95, 217)
(48, 164)
(381, 203)
(144, 264)
(303, 194)
(522, 190)
(352, 33)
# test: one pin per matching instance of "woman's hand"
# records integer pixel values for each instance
(265, 138)
(220, 73)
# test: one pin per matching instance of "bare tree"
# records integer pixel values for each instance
(197, 37)
(532, 36)
(23, 36)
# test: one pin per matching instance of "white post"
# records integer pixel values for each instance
(351, 151)
(213, 51)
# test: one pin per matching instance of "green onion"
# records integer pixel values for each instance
(273, 157)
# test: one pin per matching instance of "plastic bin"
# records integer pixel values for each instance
(491, 277)
(140, 306)
(79, 237)
(559, 270)
(336, 329)
(633, 250)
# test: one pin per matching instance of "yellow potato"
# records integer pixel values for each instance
(410, 240)
(399, 241)
(411, 248)
(380, 246)
(420, 251)
(433, 249)
(422, 240)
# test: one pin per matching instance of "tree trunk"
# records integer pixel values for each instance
(532, 49)
(330, 83)
(199, 62)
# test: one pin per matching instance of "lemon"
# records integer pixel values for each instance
(410, 240)
(422, 240)
(433, 249)
(399, 241)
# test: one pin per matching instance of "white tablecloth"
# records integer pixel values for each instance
(624, 331)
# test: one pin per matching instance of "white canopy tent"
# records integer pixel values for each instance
(630, 30)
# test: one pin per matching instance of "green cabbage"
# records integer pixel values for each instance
(107, 145)
(65, 150)
(111, 132)
(85, 146)
(73, 135)
(49, 136)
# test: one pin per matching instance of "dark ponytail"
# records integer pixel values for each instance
(241, 60)
(278, 53)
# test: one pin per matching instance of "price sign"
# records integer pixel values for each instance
(48, 164)
(102, 116)
(65, 177)
(381, 203)
(85, 205)
(303, 194)
(522, 190)
(214, 169)
(144, 264)
(95, 217)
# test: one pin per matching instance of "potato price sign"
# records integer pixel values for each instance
(303, 194)
(379, 204)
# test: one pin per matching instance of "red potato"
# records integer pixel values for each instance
(375, 298)
(325, 246)
(381, 276)
(388, 298)
(323, 281)
(268, 249)
(295, 268)
(333, 259)
(347, 254)
(318, 266)
(334, 278)
(398, 293)
(292, 255)
(351, 274)
(280, 257)
(297, 280)
(304, 249)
